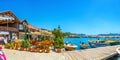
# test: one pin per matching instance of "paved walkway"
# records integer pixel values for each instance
(88, 54)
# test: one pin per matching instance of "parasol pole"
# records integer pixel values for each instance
(7, 25)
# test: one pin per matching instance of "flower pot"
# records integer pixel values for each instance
(43, 50)
(37, 50)
(8, 47)
(25, 49)
(58, 50)
(47, 51)
(29, 49)
(32, 50)
(22, 49)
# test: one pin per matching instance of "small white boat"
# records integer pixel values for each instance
(70, 47)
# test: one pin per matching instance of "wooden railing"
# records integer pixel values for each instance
(12, 29)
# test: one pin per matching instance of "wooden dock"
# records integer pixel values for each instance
(100, 53)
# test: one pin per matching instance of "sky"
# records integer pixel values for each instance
(76, 16)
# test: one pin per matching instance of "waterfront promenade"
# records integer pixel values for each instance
(88, 54)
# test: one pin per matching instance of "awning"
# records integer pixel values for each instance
(22, 33)
(36, 33)
(6, 19)
(4, 33)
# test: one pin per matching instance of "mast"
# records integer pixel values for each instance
(59, 28)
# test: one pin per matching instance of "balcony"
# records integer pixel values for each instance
(12, 29)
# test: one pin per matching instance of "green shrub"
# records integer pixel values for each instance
(25, 44)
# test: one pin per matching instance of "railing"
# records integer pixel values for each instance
(12, 29)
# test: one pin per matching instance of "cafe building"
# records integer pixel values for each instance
(9, 25)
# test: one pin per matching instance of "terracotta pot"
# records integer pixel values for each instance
(47, 51)
(29, 49)
(32, 50)
(8, 47)
(58, 50)
(43, 50)
(25, 49)
(22, 49)
(37, 49)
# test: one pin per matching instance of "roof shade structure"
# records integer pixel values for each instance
(6, 19)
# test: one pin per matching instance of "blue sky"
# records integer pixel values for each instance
(77, 16)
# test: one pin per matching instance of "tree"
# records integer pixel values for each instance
(58, 40)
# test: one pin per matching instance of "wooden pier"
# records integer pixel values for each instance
(100, 53)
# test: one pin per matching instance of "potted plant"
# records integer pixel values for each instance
(43, 50)
(11, 46)
(58, 40)
(22, 49)
(47, 50)
(58, 48)
(24, 45)
(7, 46)
(32, 49)
(29, 49)
(37, 49)
(58, 45)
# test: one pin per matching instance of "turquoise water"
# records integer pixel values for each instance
(116, 57)
(77, 41)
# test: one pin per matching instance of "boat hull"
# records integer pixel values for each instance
(94, 45)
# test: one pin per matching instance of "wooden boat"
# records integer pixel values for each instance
(83, 45)
(94, 44)
(70, 47)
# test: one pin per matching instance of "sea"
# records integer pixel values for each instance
(77, 41)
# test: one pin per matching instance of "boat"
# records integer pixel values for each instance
(70, 47)
(98, 43)
(113, 42)
(83, 45)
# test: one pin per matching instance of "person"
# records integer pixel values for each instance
(5, 39)
(14, 37)
(1, 40)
